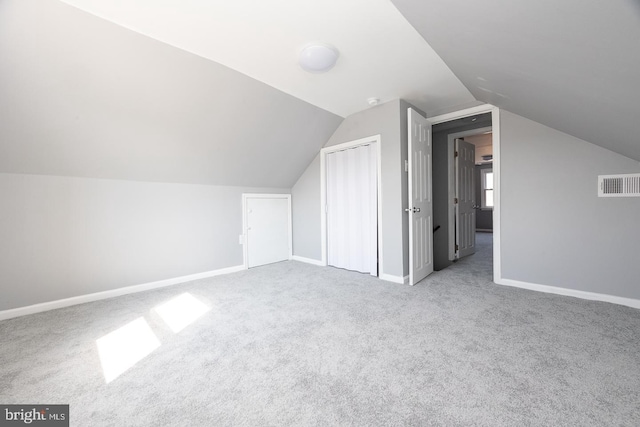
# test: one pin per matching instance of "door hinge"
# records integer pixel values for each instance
(455, 154)
(457, 248)
(455, 201)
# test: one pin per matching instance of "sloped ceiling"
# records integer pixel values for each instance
(572, 65)
(381, 55)
(210, 92)
(84, 97)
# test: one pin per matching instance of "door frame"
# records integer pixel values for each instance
(451, 168)
(243, 237)
(374, 139)
(495, 125)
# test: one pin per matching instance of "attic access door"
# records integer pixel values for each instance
(465, 155)
(267, 228)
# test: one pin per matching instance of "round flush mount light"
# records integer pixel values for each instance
(318, 57)
(373, 101)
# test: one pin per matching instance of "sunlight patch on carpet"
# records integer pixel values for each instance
(181, 311)
(123, 348)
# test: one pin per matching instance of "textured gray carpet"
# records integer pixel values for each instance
(295, 344)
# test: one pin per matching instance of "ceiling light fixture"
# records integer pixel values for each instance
(373, 101)
(318, 57)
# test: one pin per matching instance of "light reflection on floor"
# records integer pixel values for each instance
(181, 311)
(126, 346)
(121, 349)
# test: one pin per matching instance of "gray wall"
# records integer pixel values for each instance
(305, 207)
(91, 114)
(440, 199)
(404, 180)
(62, 237)
(388, 120)
(384, 120)
(555, 230)
(484, 217)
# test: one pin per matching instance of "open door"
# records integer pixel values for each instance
(465, 160)
(420, 198)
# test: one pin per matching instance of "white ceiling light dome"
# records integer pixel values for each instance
(318, 57)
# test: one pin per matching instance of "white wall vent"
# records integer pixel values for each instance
(626, 185)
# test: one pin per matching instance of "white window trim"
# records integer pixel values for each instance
(483, 189)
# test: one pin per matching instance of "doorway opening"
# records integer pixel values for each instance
(470, 164)
(466, 199)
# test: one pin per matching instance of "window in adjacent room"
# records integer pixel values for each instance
(487, 188)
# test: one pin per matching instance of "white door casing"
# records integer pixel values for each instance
(496, 137)
(420, 208)
(465, 161)
(267, 228)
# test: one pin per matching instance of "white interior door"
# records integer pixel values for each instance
(267, 229)
(352, 209)
(420, 198)
(465, 161)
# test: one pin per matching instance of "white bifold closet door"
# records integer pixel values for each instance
(352, 209)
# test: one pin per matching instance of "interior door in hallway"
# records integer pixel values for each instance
(465, 155)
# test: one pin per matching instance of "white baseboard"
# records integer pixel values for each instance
(630, 302)
(307, 260)
(394, 279)
(52, 305)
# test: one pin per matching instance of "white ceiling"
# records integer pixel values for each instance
(381, 54)
(480, 140)
(81, 96)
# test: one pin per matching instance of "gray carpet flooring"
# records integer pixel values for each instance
(295, 344)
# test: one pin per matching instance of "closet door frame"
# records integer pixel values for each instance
(370, 140)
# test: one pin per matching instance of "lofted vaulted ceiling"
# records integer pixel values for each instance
(209, 91)
(381, 55)
(80, 96)
(572, 65)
